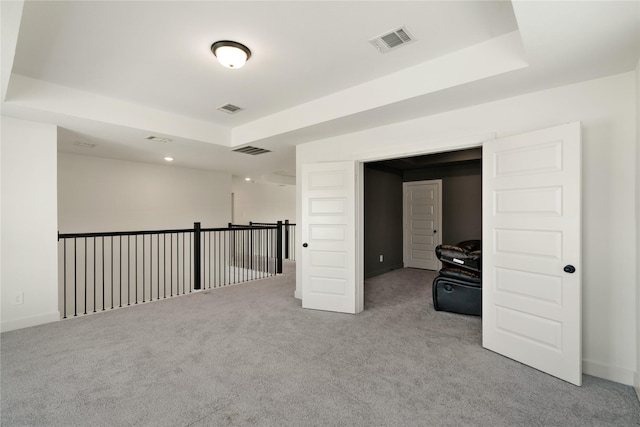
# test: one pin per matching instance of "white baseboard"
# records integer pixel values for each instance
(297, 294)
(26, 322)
(637, 385)
(611, 373)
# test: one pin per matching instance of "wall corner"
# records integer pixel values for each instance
(637, 195)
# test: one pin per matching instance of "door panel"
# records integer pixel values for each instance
(328, 229)
(422, 223)
(531, 230)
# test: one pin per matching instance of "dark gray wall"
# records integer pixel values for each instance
(382, 221)
(462, 208)
(461, 198)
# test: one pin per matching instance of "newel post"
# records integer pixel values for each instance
(286, 239)
(279, 248)
(197, 279)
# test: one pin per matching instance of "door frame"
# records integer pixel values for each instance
(405, 228)
(393, 152)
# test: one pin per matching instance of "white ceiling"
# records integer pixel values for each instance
(112, 73)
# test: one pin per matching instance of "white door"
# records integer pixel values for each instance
(422, 223)
(329, 238)
(532, 250)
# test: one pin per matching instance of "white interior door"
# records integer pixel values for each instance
(532, 250)
(329, 238)
(422, 223)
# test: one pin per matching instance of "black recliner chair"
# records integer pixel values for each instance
(458, 287)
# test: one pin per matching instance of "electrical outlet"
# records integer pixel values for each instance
(381, 258)
(18, 299)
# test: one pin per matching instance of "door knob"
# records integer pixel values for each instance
(569, 269)
(304, 245)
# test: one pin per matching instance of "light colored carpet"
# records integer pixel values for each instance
(250, 355)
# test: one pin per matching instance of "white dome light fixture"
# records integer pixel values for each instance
(231, 54)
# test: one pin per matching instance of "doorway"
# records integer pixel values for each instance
(461, 174)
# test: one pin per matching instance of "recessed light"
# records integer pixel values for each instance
(169, 159)
(247, 179)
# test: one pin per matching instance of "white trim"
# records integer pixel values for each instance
(420, 148)
(405, 228)
(26, 322)
(359, 229)
(611, 373)
(637, 385)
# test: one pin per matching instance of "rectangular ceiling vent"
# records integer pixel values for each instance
(158, 139)
(84, 144)
(230, 108)
(254, 151)
(392, 40)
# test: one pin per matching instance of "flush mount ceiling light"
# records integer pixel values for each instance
(231, 54)
(168, 159)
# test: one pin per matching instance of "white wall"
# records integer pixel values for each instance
(606, 108)
(262, 202)
(28, 223)
(98, 194)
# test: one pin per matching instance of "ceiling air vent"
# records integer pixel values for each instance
(254, 151)
(84, 144)
(392, 40)
(230, 108)
(158, 139)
